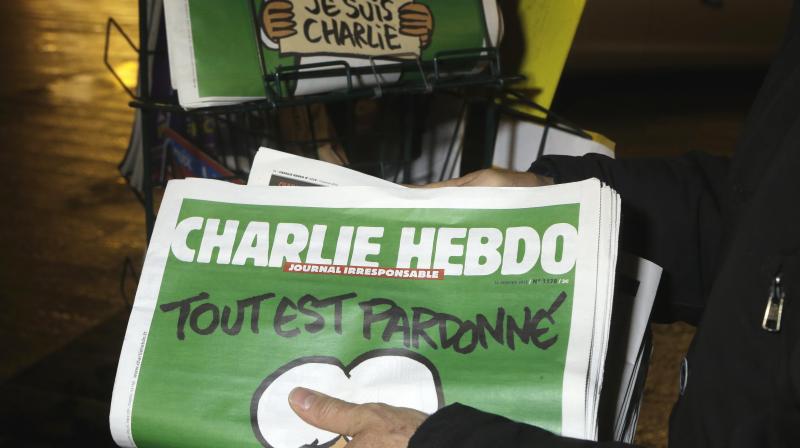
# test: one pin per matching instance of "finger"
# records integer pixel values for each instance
(415, 19)
(281, 16)
(280, 4)
(442, 184)
(414, 15)
(457, 182)
(415, 7)
(415, 26)
(269, 12)
(413, 31)
(283, 34)
(283, 26)
(278, 24)
(413, 22)
(278, 7)
(325, 412)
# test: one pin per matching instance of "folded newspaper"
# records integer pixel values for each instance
(634, 293)
(214, 45)
(500, 298)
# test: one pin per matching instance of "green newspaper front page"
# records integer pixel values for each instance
(214, 45)
(416, 298)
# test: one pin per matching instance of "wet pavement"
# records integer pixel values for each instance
(69, 221)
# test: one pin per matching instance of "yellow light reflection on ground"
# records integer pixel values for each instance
(129, 73)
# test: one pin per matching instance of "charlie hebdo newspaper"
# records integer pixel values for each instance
(629, 342)
(497, 298)
(215, 54)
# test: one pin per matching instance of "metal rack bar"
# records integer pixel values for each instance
(295, 73)
(148, 133)
(112, 24)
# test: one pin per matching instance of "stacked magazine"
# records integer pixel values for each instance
(316, 276)
(219, 51)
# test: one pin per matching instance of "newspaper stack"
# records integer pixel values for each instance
(214, 48)
(499, 298)
(629, 350)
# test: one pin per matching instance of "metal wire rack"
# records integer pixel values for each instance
(229, 135)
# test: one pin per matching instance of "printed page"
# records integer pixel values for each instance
(631, 304)
(648, 276)
(270, 161)
(281, 169)
(214, 56)
(606, 264)
(412, 297)
(181, 51)
(636, 284)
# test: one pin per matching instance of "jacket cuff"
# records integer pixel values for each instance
(461, 426)
(565, 169)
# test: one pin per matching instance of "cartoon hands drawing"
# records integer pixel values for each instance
(278, 18)
(358, 33)
(395, 377)
(416, 20)
(279, 22)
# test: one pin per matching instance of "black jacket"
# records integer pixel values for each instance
(723, 230)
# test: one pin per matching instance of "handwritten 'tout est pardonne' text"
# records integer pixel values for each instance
(381, 318)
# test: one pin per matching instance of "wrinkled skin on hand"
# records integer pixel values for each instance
(495, 177)
(371, 425)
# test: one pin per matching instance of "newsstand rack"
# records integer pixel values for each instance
(483, 94)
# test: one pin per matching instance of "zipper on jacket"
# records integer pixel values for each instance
(774, 310)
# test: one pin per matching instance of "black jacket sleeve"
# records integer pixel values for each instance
(671, 214)
(462, 426)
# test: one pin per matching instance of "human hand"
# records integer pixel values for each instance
(371, 425)
(278, 20)
(495, 177)
(416, 20)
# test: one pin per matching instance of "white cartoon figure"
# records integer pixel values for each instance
(396, 377)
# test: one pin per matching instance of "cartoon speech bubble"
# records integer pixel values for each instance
(395, 377)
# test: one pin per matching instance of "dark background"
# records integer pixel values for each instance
(658, 77)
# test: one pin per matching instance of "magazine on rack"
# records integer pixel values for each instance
(214, 45)
(500, 298)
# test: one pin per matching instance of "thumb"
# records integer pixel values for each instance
(326, 412)
(462, 181)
